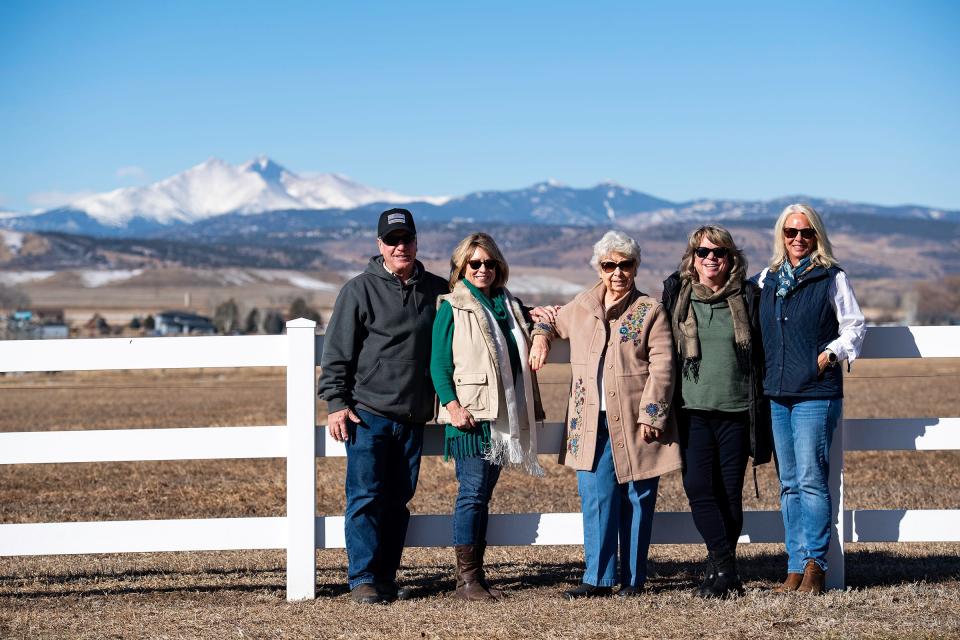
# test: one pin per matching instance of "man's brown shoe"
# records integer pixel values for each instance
(813, 579)
(790, 584)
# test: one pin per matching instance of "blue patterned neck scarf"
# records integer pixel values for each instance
(790, 277)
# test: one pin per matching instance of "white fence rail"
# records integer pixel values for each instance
(300, 441)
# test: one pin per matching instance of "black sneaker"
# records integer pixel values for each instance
(587, 591)
(627, 591)
(390, 591)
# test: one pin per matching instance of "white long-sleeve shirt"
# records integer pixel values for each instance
(853, 326)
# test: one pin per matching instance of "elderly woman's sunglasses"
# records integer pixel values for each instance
(476, 264)
(718, 252)
(609, 266)
(806, 234)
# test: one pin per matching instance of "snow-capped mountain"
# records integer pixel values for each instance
(216, 199)
(215, 187)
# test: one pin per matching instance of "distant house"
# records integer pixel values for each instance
(52, 331)
(176, 323)
(36, 324)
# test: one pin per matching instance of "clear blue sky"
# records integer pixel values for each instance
(852, 100)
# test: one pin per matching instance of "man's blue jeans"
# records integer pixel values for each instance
(383, 464)
(477, 479)
(802, 433)
(613, 511)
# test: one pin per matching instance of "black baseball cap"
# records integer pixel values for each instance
(396, 220)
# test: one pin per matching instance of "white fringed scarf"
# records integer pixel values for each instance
(513, 437)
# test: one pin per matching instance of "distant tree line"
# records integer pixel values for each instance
(228, 319)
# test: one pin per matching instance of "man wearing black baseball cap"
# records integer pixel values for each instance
(376, 381)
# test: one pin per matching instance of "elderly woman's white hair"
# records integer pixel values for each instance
(615, 242)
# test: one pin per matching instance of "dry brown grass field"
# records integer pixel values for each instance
(895, 590)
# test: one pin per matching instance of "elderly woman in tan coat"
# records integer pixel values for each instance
(620, 435)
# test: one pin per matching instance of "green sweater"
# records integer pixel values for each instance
(466, 444)
(722, 385)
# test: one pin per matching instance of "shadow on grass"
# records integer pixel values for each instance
(865, 568)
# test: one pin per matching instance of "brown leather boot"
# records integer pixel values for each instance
(790, 584)
(499, 594)
(468, 574)
(813, 579)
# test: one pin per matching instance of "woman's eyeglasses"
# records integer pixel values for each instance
(718, 252)
(806, 234)
(476, 264)
(610, 266)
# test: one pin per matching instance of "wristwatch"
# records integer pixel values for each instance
(831, 357)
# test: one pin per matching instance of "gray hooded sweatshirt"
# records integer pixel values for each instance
(376, 352)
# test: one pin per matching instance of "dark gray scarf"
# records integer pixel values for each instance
(684, 323)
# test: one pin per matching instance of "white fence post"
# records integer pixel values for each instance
(836, 571)
(301, 460)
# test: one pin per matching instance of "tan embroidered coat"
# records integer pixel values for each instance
(636, 345)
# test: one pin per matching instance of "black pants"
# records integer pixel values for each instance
(715, 447)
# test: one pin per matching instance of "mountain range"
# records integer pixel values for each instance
(216, 200)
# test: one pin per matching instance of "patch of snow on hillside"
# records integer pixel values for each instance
(236, 277)
(13, 240)
(306, 282)
(21, 277)
(94, 279)
(297, 279)
(610, 211)
(707, 205)
(543, 285)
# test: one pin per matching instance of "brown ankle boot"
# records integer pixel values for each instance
(469, 570)
(790, 584)
(499, 594)
(813, 579)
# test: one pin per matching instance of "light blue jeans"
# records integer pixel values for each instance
(802, 433)
(613, 511)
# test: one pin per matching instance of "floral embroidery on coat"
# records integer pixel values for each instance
(576, 422)
(657, 410)
(632, 324)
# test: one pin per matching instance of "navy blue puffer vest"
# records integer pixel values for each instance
(795, 331)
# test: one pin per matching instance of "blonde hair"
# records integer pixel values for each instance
(720, 237)
(822, 254)
(464, 250)
(615, 242)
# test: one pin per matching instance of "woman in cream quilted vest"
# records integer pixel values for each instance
(489, 400)
(620, 434)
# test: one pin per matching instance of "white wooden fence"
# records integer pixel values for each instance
(300, 441)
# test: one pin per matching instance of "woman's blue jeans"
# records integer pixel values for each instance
(612, 512)
(477, 479)
(802, 433)
(383, 464)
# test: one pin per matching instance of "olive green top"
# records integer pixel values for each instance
(722, 385)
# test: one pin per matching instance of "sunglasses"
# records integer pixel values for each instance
(718, 252)
(393, 239)
(806, 234)
(609, 266)
(489, 264)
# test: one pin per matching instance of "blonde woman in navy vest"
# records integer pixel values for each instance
(810, 322)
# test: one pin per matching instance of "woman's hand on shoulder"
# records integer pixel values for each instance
(546, 314)
(460, 417)
(539, 351)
